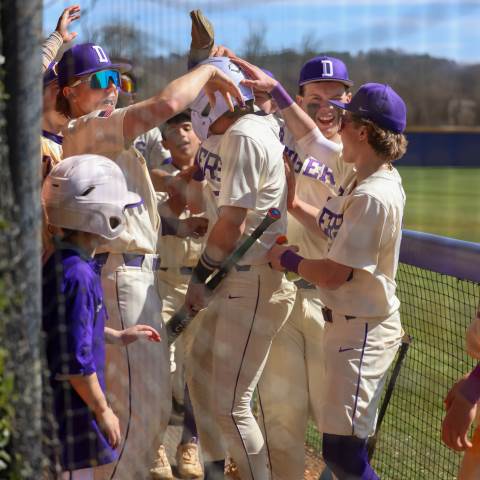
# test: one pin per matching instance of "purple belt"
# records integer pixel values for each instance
(129, 259)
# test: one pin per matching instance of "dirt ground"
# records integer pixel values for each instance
(313, 464)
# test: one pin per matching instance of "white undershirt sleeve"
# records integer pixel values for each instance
(319, 147)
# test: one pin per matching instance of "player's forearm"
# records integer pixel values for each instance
(173, 207)
(306, 214)
(112, 336)
(226, 232)
(50, 48)
(324, 272)
(195, 196)
(159, 179)
(470, 388)
(88, 387)
(174, 98)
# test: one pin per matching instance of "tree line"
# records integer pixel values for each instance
(437, 91)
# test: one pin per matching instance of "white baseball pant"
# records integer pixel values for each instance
(246, 312)
(293, 373)
(143, 381)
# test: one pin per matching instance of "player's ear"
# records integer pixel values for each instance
(348, 97)
(363, 133)
(299, 99)
(68, 92)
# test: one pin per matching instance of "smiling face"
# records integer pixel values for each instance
(84, 99)
(315, 99)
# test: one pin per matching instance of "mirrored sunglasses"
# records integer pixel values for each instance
(127, 84)
(101, 79)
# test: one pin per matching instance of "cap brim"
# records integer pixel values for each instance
(338, 104)
(121, 67)
(347, 83)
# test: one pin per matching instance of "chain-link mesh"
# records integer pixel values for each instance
(436, 311)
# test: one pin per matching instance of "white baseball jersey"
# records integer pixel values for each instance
(363, 227)
(317, 179)
(149, 144)
(101, 132)
(244, 168)
(142, 376)
(180, 252)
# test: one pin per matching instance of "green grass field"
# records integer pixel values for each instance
(445, 201)
(436, 311)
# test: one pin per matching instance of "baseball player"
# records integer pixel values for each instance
(53, 121)
(173, 277)
(138, 381)
(295, 364)
(241, 160)
(461, 404)
(84, 198)
(356, 279)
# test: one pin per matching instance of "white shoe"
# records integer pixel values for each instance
(161, 469)
(188, 461)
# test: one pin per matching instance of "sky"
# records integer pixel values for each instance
(441, 28)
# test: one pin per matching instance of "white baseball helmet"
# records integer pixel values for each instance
(87, 193)
(202, 114)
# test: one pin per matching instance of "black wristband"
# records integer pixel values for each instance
(169, 225)
(202, 271)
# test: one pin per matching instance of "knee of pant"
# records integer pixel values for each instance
(347, 457)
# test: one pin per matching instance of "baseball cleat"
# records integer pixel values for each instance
(161, 469)
(188, 461)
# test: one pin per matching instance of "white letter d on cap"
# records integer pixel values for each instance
(327, 68)
(102, 56)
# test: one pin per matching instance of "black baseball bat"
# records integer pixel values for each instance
(182, 318)
(372, 440)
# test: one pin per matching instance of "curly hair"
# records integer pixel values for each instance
(389, 145)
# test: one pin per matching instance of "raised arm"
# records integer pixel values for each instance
(176, 97)
(61, 35)
(297, 121)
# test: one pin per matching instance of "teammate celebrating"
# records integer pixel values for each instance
(356, 280)
(173, 278)
(295, 364)
(88, 83)
(241, 159)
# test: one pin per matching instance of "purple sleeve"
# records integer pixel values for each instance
(471, 387)
(76, 351)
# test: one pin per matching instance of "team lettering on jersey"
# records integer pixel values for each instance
(310, 167)
(330, 222)
(211, 165)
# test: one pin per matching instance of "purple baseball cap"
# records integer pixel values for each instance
(83, 59)
(379, 103)
(50, 74)
(324, 69)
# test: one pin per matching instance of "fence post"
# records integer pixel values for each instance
(21, 23)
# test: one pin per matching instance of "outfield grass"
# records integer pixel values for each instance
(445, 201)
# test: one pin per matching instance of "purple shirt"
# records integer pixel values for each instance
(73, 322)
